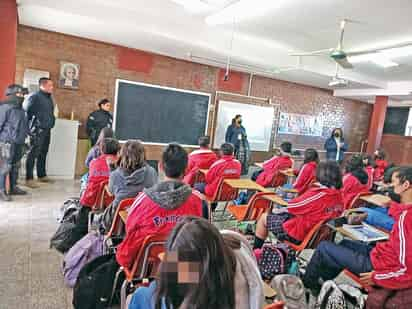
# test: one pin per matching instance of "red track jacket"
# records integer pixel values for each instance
(99, 172)
(271, 169)
(198, 159)
(370, 171)
(313, 206)
(392, 259)
(381, 165)
(148, 217)
(306, 176)
(226, 167)
(351, 188)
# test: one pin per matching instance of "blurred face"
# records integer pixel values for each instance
(47, 87)
(399, 187)
(106, 107)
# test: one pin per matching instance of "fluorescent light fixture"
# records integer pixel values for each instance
(193, 6)
(377, 58)
(383, 61)
(243, 9)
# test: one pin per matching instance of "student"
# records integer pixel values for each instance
(203, 269)
(158, 209)
(199, 159)
(99, 119)
(318, 203)
(388, 264)
(355, 180)
(131, 176)
(269, 175)
(94, 152)
(307, 173)
(381, 164)
(99, 171)
(369, 165)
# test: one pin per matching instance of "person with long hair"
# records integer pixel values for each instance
(94, 152)
(369, 165)
(317, 204)
(131, 176)
(236, 135)
(336, 146)
(381, 164)
(355, 180)
(203, 268)
(307, 173)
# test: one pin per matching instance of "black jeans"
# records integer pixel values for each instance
(16, 155)
(39, 147)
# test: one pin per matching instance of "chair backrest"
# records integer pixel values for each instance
(224, 192)
(257, 206)
(103, 197)
(356, 201)
(123, 205)
(278, 180)
(147, 260)
(309, 239)
(276, 305)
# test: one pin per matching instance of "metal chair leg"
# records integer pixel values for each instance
(123, 295)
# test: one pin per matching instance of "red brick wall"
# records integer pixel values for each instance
(101, 64)
(398, 148)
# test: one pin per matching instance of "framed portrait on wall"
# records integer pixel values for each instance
(69, 75)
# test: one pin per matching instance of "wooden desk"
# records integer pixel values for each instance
(291, 190)
(376, 199)
(123, 215)
(276, 199)
(259, 164)
(346, 233)
(288, 172)
(245, 184)
(203, 171)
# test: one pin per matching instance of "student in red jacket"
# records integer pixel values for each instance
(307, 173)
(158, 209)
(269, 175)
(388, 264)
(318, 203)
(355, 180)
(199, 159)
(369, 165)
(99, 171)
(381, 164)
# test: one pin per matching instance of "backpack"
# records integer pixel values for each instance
(71, 230)
(290, 289)
(94, 285)
(85, 250)
(330, 297)
(275, 259)
(68, 208)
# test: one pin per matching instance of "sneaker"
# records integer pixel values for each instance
(45, 179)
(18, 191)
(4, 197)
(30, 183)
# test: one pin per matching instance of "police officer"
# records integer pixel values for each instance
(99, 119)
(13, 133)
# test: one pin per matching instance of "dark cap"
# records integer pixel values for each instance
(15, 89)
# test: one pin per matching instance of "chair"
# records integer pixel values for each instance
(276, 305)
(224, 193)
(356, 201)
(145, 265)
(103, 199)
(253, 210)
(355, 278)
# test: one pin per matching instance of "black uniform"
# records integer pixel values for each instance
(96, 122)
(40, 112)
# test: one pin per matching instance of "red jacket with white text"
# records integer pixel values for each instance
(156, 211)
(306, 176)
(271, 169)
(392, 259)
(351, 188)
(198, 159)
(225, 167)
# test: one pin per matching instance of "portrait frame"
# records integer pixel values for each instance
(69, 75)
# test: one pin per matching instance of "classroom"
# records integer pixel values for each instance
(228, 154)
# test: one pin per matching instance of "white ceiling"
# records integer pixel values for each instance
(164, 27)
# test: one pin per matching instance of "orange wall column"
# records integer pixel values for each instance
(376, 124)
(8, 38)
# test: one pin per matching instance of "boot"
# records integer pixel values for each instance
(4, 197)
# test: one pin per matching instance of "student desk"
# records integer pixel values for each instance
(332, 225)
(245, 184)
(376, 199)
(289, 174)
(259, 164)
(123, 215)
(203, 171)
(276, 199)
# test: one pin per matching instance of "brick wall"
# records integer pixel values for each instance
(101, 64)
(398, 148)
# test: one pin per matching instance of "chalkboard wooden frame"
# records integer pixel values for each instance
(118, 81)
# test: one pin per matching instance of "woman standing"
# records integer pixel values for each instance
(236, 135)
(335, 146)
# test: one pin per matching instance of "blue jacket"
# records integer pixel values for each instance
(13, 122)
(232, 135)
(40, 111)
(331, 149)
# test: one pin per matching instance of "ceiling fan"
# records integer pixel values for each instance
(340, 56)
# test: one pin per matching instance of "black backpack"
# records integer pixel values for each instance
(276, 259)
(94, 285)
(70, 231)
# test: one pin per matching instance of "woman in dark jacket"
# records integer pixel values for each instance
(335, 146)
(102, 118)
(236, 135)
(131, 176)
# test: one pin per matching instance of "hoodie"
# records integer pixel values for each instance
(156, 211)
(354, 183)
(124, 185)
(14, 126)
